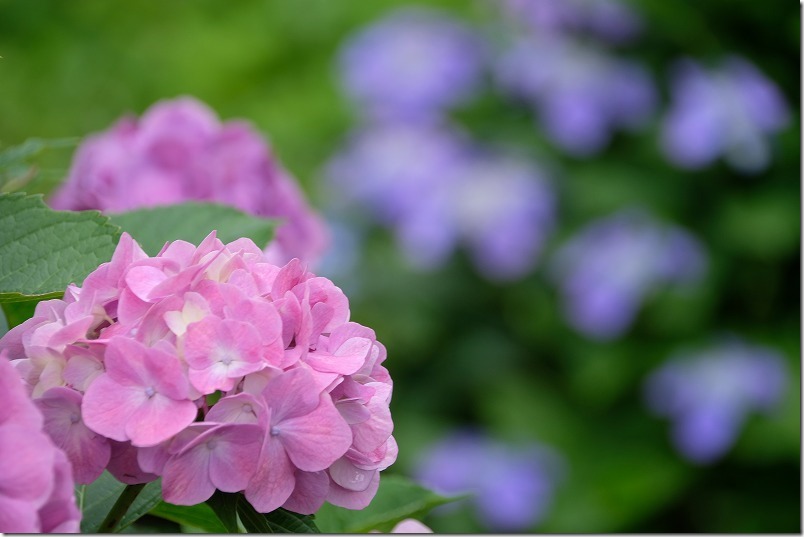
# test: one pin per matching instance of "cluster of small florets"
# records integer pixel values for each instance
(36, 490)
(214, 369)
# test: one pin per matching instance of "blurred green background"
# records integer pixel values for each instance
(462, 350)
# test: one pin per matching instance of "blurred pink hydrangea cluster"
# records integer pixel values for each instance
(215, 369)
(179, 151)
(36, 491)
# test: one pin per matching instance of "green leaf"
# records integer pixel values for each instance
(147, 499)
(397, 499)
(16, 169)
(42, 250)
(225, 505)
(278, 521)
(199, 516)
(192, 221)
(18, 312)
(97, 499)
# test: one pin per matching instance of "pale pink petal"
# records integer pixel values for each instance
(410, 525)
(350, 477)
(350, 499)
(310, 492)
(82, 368)
(240, 408)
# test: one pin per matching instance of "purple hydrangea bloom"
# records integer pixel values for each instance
(729, 111)
(512, 486)
(179, 151)
(607, 270)
(414, 63)
(611, 20)
(437, 191)
(708, 394)
(580, 95)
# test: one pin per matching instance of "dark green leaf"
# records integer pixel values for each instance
(149, 497)
(397, 499)
(191, 222)
(278, 521)
(96, 500)
(199, 516)
(225, 506)
(42, 250)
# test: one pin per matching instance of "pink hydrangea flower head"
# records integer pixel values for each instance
(36, 491)
(179, 151)
(215, 369)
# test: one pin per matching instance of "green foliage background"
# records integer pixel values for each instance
(462, 350)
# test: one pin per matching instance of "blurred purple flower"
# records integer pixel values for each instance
(607, 270)
(709, 394)
(729, 112)
(436, 191)
(610, 20)
(412, 64)
(512, 487)
(579, 94)
(179, 151)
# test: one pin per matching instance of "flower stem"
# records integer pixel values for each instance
(120, 507)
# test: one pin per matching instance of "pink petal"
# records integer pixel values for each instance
(17, 407)
(158, 418)
(108, 407)
(186, 478)
(310, 492)
(240, 408)
(142, 279)
(236, 451)
(18, 516)
(350, 499)
(273, 482)
(350, 477)
(291, 394)
(410, 525)
(60, 513)
(316, 440)
(87, 451)
(26, 464)
(124, 467)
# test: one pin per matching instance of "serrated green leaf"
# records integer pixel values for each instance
(192, 221)
(199, 516)
(42, 250)
(398, 498)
